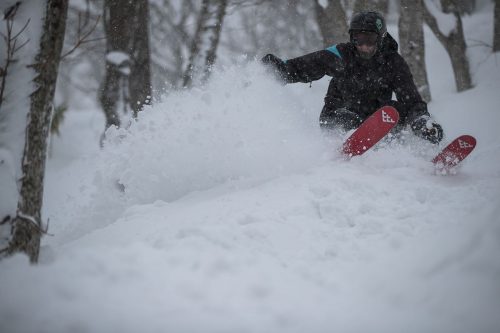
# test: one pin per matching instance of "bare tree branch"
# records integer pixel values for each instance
(10, 40)
(83, 37)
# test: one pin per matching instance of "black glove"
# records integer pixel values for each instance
(274, 61)
(347, 119)
(340, 118)
(425, 128)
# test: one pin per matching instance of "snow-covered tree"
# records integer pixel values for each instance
(205, 42)
(332, 22)
(446, 24)
(37, 31)
(411, 42)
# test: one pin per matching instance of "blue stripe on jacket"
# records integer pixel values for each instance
(334, 50)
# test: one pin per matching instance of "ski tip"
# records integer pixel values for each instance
(388, 107)
(455, 152)
(469, 139)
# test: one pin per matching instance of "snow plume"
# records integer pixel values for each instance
(243, 125)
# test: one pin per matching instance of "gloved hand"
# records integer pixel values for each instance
(427, 129)
(347, 119)
(271, 59)
(274, 61)
(340, 118)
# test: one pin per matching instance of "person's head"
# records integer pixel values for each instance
(367, 31)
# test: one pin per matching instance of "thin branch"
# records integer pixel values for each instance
(87, 41)
(10, 40)
(11, 11)
(480, 43)
(83, 39)
(5, 220)
(16, 49)
(22, 29)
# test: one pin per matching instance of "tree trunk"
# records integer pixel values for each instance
(381, 6)
(127, 82)
(466, 6)
(205, 42)
(496, 31)
(116, 19)
(454, 43)
(332, 22)
(27, 225)
(411, 42)
(140, 72)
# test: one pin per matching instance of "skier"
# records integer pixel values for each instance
(365, 72)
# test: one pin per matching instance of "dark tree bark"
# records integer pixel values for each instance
(27, 225)
(496, 30)
(381, 6)
(332, 22)
(140, 71)
(205, 42)
(117, 28)
(466, 6)
(127, 80)
(411, 42)
(454, 43)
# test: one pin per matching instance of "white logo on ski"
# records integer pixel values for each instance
(464, 145)
(386, 118)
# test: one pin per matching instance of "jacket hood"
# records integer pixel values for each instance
(389, 45)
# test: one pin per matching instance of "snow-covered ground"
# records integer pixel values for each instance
(226, 210)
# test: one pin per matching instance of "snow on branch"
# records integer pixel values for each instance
(120, 60)
(117, 57)
(42, 229)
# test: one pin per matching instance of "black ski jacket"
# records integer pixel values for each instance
(360, 85)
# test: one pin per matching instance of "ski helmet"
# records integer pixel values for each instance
(368, 21)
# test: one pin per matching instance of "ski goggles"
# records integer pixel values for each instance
(364, 38)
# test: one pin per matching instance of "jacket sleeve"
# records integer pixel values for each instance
(406, 91)
(311, 67)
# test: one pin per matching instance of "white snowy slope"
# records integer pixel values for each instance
(226, 210)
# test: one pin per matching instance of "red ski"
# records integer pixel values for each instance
(371, 131)
(455, 152)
